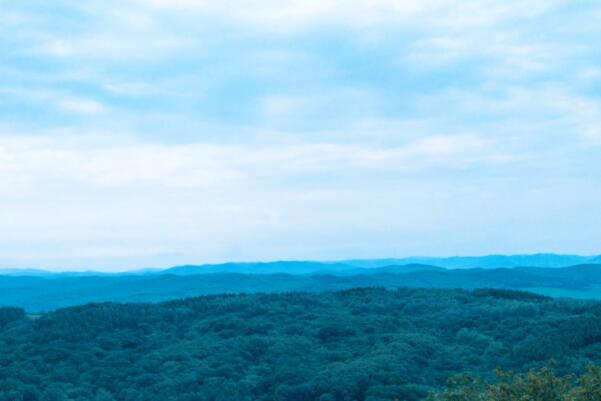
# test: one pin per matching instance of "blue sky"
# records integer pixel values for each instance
(156, 132)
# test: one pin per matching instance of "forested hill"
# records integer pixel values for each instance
(355, 345)
(39, 294)
(546, 260)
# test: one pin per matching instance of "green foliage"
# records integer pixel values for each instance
(103, 395)
(354, 345)
(536, 385)
(8, 314)
(510, 294)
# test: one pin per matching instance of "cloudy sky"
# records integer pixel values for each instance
(140, 133)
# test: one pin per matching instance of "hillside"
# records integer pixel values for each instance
(297, 268)
(363, 344)
(283, 267)
(39, 294)
(545, 260)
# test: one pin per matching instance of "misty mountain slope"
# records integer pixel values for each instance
(294, 268)
(361, 266)
(287, 267)
(338, 267)
(489, 261)
(393, 269)
(585, 272)
(37, 294)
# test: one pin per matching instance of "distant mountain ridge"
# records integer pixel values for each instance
(485, 262)
(294, 268)
(546, 260)
(43, 293)
(289, 267)
(341, 267)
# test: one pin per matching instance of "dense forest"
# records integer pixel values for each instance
(354, 345)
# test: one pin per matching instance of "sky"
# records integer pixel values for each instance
(151, 133)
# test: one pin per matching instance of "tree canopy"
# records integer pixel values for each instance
(357, 345)
(535, 385)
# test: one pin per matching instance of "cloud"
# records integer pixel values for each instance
(36, 163)
(297, 14)
(114, 46)
(198, 130)
(81, 106)
(59, 101)
(136, 30)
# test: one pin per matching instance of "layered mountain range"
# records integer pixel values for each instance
(40, 291)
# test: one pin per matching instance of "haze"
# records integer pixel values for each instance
(156, 133)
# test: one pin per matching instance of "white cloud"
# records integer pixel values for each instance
(295, 129)
(295, 14)
(84, 106)
(127, 45)
(269, 14)
(138, 30)
(38, 163)
(511, 53)
(56, 100)
(537, 117)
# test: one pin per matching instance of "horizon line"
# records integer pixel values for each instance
(271, 261)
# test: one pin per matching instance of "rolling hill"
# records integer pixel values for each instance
(361, 344)
(336, 267)
(38, 294)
